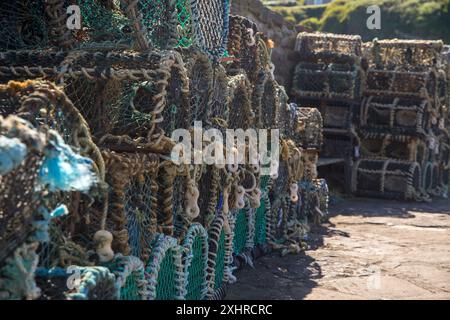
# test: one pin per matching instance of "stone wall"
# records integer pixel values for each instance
(282, 32)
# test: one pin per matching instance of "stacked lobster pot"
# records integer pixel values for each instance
(329, 76)
(403, 122)
(100, 196)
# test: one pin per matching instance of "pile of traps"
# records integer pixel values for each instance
(100, 196)
(385, 111)
(329, 76)
(404, 122)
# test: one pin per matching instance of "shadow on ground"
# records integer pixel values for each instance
(362, 236)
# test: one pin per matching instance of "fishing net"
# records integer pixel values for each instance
(24, 25)
(244, 49)
(94, 283)
(21, 155)
(308, 128)
(207, 13)
(218, 257)
(387, 179)
(412, 54)
(329, 67)
(143, 94)
(263, 212)
(328, 81)
(165, 275)
(132, 216)
(130, 277)
(395, 115)
(239, 103)
(394, 147)
(46, 106)
(195, 261)
(201, 77)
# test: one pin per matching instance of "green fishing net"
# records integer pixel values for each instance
(240, 232)
(166, 288)
(220, 262)
(196, 272)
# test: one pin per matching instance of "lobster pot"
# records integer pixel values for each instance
(96, 283)
(25, 25)
(45, 105)
(310, 158)
(201, 78)
(210, 187)
(395, 115)
(174, 185)
(315, 199)
(419, 85)
(262, 214)
(130, 275)
(219, 258)
(328, 44)
(132, 215)
(195, 262)
(335, 114)
(309, 128)
(444, 175)
(138, 95)
(143, 96)
(22, 65)
(431, 175)
(21, 154)
(329, 81)
(244, 231)
(165, 275)
(246, 46)
(267, 107)
(337, 146)
(241, 115)
(394, 147)
(391, 179)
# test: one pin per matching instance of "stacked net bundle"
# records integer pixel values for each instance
(195, 261)
(404, 110)
(91, 283)
(164, 270)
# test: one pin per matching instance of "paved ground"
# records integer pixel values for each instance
(370, 249)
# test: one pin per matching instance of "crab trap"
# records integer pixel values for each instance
(392, 179)
(329, 67)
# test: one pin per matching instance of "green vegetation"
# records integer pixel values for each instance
(428, 19)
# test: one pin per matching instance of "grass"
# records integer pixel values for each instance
(399, 18)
